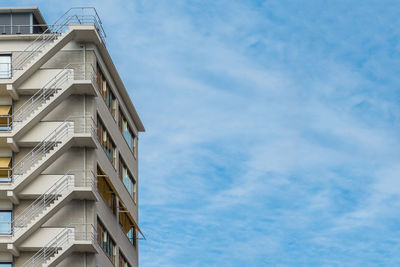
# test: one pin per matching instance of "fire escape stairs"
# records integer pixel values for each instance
(28, 62)
(46, 205)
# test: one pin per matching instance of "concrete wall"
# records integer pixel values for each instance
(76, 210)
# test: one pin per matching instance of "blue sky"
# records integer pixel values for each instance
(272, 128)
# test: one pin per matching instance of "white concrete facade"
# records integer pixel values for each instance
(71, 136)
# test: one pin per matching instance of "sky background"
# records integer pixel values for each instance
(272, 128)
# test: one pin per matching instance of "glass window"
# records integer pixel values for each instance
(127, 179)
(106, 191)
(5, 264)
(106, 242)
(5, 66)
(21, 23)
(5, 222)
(5, 23)
(106, 142)
(5, 169)
(106, 92)
(127, 225)
(127, 132)
(122, 260)
(5, 117)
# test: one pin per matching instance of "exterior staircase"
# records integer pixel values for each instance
(80, 237)
(45, 206)
(52, 40)
(54, 145)
(47, 98)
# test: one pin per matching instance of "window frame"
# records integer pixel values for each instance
(114, 208)
(8, 71)
(121, 255)
(134, 136)
(134, 189)
(109, 141)
(110, 239)
(106, 92)
(10, 222)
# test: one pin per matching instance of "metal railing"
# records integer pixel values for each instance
(74, 16)
(71, 126)
(61, 188)
(65, 238)
(22, 28)
(72, 71)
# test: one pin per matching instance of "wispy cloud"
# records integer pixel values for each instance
(272, 129)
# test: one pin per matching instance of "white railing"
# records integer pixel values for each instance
(71, 126)
(22, 28)
(68, 182)
(72, 71)
(65, 238)
(78, 15)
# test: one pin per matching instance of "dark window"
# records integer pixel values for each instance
(127, 179)
(5, 23)
(21, 23)
(127, 132)
(127, 225)
(106, 92)
(105, 241)
(122, 260)
(106, 142)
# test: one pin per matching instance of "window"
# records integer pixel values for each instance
(127, 179)
(105, 241)
(106, 142)
(127, 225)
(5, 117)
(127, 132)
(5, 169)
(106, 92)
(122, 260)
(106, 191)
(5, 66)
(9, 264)
(19, 23)
(5, 222)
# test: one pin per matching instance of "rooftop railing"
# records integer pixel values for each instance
(74, 16)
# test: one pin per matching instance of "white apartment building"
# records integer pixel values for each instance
(68, 145)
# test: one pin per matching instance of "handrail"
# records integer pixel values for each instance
(73, 124)
(69, 72)
(66, 237)
(18, 28)
(51, 33)
(60, 188)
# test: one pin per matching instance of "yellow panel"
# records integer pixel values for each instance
(5, 162)
(124, 210)
(5, 110)
(122, 205)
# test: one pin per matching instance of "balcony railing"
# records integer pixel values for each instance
(74, 16)
(65, 238)
(73, 71)
(23, 28)
(72, 125)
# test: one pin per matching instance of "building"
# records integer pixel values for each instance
(68, 145)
